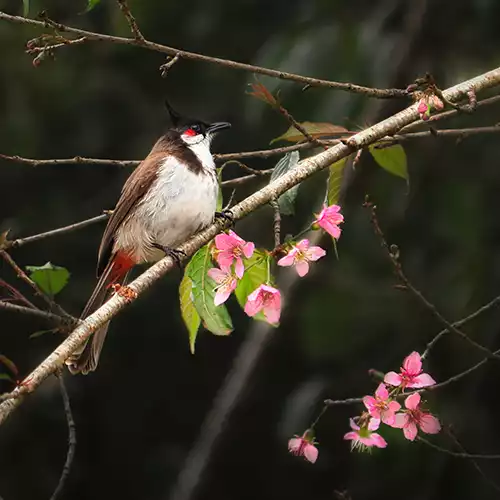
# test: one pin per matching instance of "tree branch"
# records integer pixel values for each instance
(71, 439)
(54, 232)
(134, 28)
(302, 171)
(53, 318)
(171, 51)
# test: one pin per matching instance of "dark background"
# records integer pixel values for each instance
(140, 414)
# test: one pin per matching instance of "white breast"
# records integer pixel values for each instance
(179, 203)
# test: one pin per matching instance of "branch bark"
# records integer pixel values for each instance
(304, 170)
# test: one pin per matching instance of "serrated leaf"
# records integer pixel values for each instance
(26, 7)
(287, 199)
(90, 5)
(392, 158)
(51, 279)
(335, 172)
(189, 314)
(256, 274)
(11, 366)
(216, 319)
(314, 129)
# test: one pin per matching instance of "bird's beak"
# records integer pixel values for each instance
(217, 126)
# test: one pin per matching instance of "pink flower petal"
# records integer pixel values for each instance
(302, 268)
(224, 259)
(310, 453)
(382, 392)
(248, 249)
(378, 440)
(410, 431)
(412, 401)
(239, 268)
(422, 106)
(331, 229)
(429, 424)
(351, 436)
(272, 314)
(303, 245)
(393, 378)
(287, 260)
(388, 418)
(353, 424)
(394, 406)
(400, 421)
(223, 241)
(222, 295)
(217, 274)
(413, 363)
(370, 402)
(315, 253)
(422, 380)
(373, 424)
(294, 444)
(254, 303)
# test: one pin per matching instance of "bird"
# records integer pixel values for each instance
(169, 197)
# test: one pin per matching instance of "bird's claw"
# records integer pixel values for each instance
(174, 253)
(225, 216)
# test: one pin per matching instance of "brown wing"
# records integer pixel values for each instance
(133, 190)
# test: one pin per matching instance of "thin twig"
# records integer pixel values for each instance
(458, 454)
(16, 294)
(21, 274)
(77, 160)
(165, 68)
(245, 178)
(134, 28)
(393, 254)
(55, 232)
(53, 318)
(71, 438)
(476, 313)
(283, 75)
(295, 124)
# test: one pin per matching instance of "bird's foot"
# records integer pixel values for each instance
(124, 291)
(225, 216)
(174, 253)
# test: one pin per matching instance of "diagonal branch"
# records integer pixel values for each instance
(134, 28)
(171, 51)
(304, 169)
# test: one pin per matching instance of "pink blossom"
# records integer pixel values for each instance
(300, 255)
(267, 299)
(364, 437)
(226, 283)
(437, 103)
(304, 446)
(381, 406)
(425, 104)
(415, 416)
(230, 247)
(411, 374)
(329, 218)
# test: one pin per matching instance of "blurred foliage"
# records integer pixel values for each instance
(142, 410)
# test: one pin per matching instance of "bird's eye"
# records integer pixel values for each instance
(193, 130)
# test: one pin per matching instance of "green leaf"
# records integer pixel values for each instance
(316, 130)
(26, 7)
(257, 272)
(9, 364)
(287, 199)
(392, 159)
(189, 314)
(51, 279)
(216, 319)
(335, 181)
(41, 332)
(90, 5)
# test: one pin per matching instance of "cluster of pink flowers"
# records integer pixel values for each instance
(428, 102)
(382, 407)
(231, 250)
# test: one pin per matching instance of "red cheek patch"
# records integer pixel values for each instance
(190, 132)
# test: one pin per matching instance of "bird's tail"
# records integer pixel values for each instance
(85, 359)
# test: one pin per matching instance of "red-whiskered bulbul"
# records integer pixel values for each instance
(171, 195)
